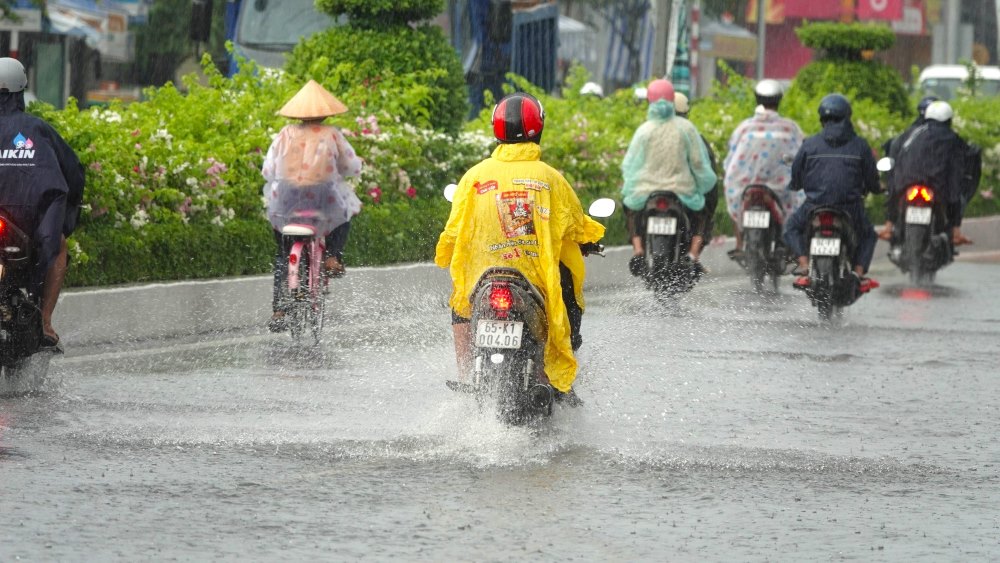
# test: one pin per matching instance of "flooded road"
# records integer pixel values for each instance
(730, 427)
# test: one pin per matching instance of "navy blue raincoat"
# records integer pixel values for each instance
(41, 179)
(835, 168)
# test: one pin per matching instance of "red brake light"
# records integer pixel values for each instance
(759, 197)
(293, 259)
(826, 219)
(924, 193)
(2, 225)
(661, 204)
(501, 299)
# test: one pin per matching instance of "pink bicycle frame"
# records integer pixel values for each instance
(316, 246)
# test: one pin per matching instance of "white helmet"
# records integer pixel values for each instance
(12, 76)
(768, 92)
(592, 88)
(939, 111)
(681, 105)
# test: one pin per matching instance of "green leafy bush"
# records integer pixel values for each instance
(410, 72)
(845, 41)
(842, 68)
(177, 172)
(859, 80)
(380, 12)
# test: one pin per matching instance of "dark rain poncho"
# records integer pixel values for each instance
(41, 179)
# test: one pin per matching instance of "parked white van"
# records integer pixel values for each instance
(944, 81)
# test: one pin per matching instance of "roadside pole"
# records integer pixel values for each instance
(761, 36)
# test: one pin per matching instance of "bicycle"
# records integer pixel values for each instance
(303, 291)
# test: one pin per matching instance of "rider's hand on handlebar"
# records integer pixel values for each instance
(592, 248)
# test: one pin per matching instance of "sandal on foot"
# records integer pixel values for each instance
(50, 341)
(333, 267)
(278, 323)
(867, 284)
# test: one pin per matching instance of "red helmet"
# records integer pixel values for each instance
(660, 89)
(518, 118)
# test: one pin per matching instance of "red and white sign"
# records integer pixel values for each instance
(880, 10)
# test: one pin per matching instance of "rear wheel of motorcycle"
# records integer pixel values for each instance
(824, 278)
(914, 244)
(756, 257)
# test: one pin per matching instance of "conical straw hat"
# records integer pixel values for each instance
(312, 102)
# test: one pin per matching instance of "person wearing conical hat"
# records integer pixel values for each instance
(306, 169)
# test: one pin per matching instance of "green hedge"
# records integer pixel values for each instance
(411, 73)
(380, 12)
(845, 41)
(171, 251)
(173, 183)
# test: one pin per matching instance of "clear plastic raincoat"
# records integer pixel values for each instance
(305, 169)
(757, 155)
(515, 211)
(666, 153)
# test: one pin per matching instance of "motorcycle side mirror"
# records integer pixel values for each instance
(603, 207)
(449, 191)
(884, 164)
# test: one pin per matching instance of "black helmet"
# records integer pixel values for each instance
(926, 101)
(768, 93)
(834, 107)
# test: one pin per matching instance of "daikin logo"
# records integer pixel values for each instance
(23, 148)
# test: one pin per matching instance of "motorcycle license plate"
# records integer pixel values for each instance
(499, 334)
(661, 225)
(824, 247)
(918, 215)
(756, 219)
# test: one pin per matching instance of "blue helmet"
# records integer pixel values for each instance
(926, 101)
(834, 107)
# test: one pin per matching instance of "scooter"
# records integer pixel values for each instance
(510, 331)
(763, 219)
(832, 283)
(921, 243)
(20, 306)
(666, 234)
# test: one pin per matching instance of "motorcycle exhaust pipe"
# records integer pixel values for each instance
(540, 396)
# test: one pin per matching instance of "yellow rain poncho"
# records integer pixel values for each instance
(513, 210)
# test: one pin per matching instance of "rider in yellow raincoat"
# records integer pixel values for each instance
(514, 210)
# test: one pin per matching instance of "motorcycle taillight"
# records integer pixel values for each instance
(827, 219)
(293, 259)
(758, 197)
(662, 204)
(501, 299)
(919, 194)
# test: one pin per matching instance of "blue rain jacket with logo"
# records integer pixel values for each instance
(41, 179)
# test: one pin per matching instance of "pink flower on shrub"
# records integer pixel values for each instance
(411, 192)
(136, 133)
(376, 194)
(216, 168)
(987, 194)
(95, 166)
(138, 147)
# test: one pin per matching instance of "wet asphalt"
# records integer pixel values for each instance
(726, 426)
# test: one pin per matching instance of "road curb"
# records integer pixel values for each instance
(164, 310)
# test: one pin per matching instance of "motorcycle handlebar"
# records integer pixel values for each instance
(592, 248)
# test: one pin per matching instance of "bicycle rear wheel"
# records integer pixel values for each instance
(317, 295)
(298, 308)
